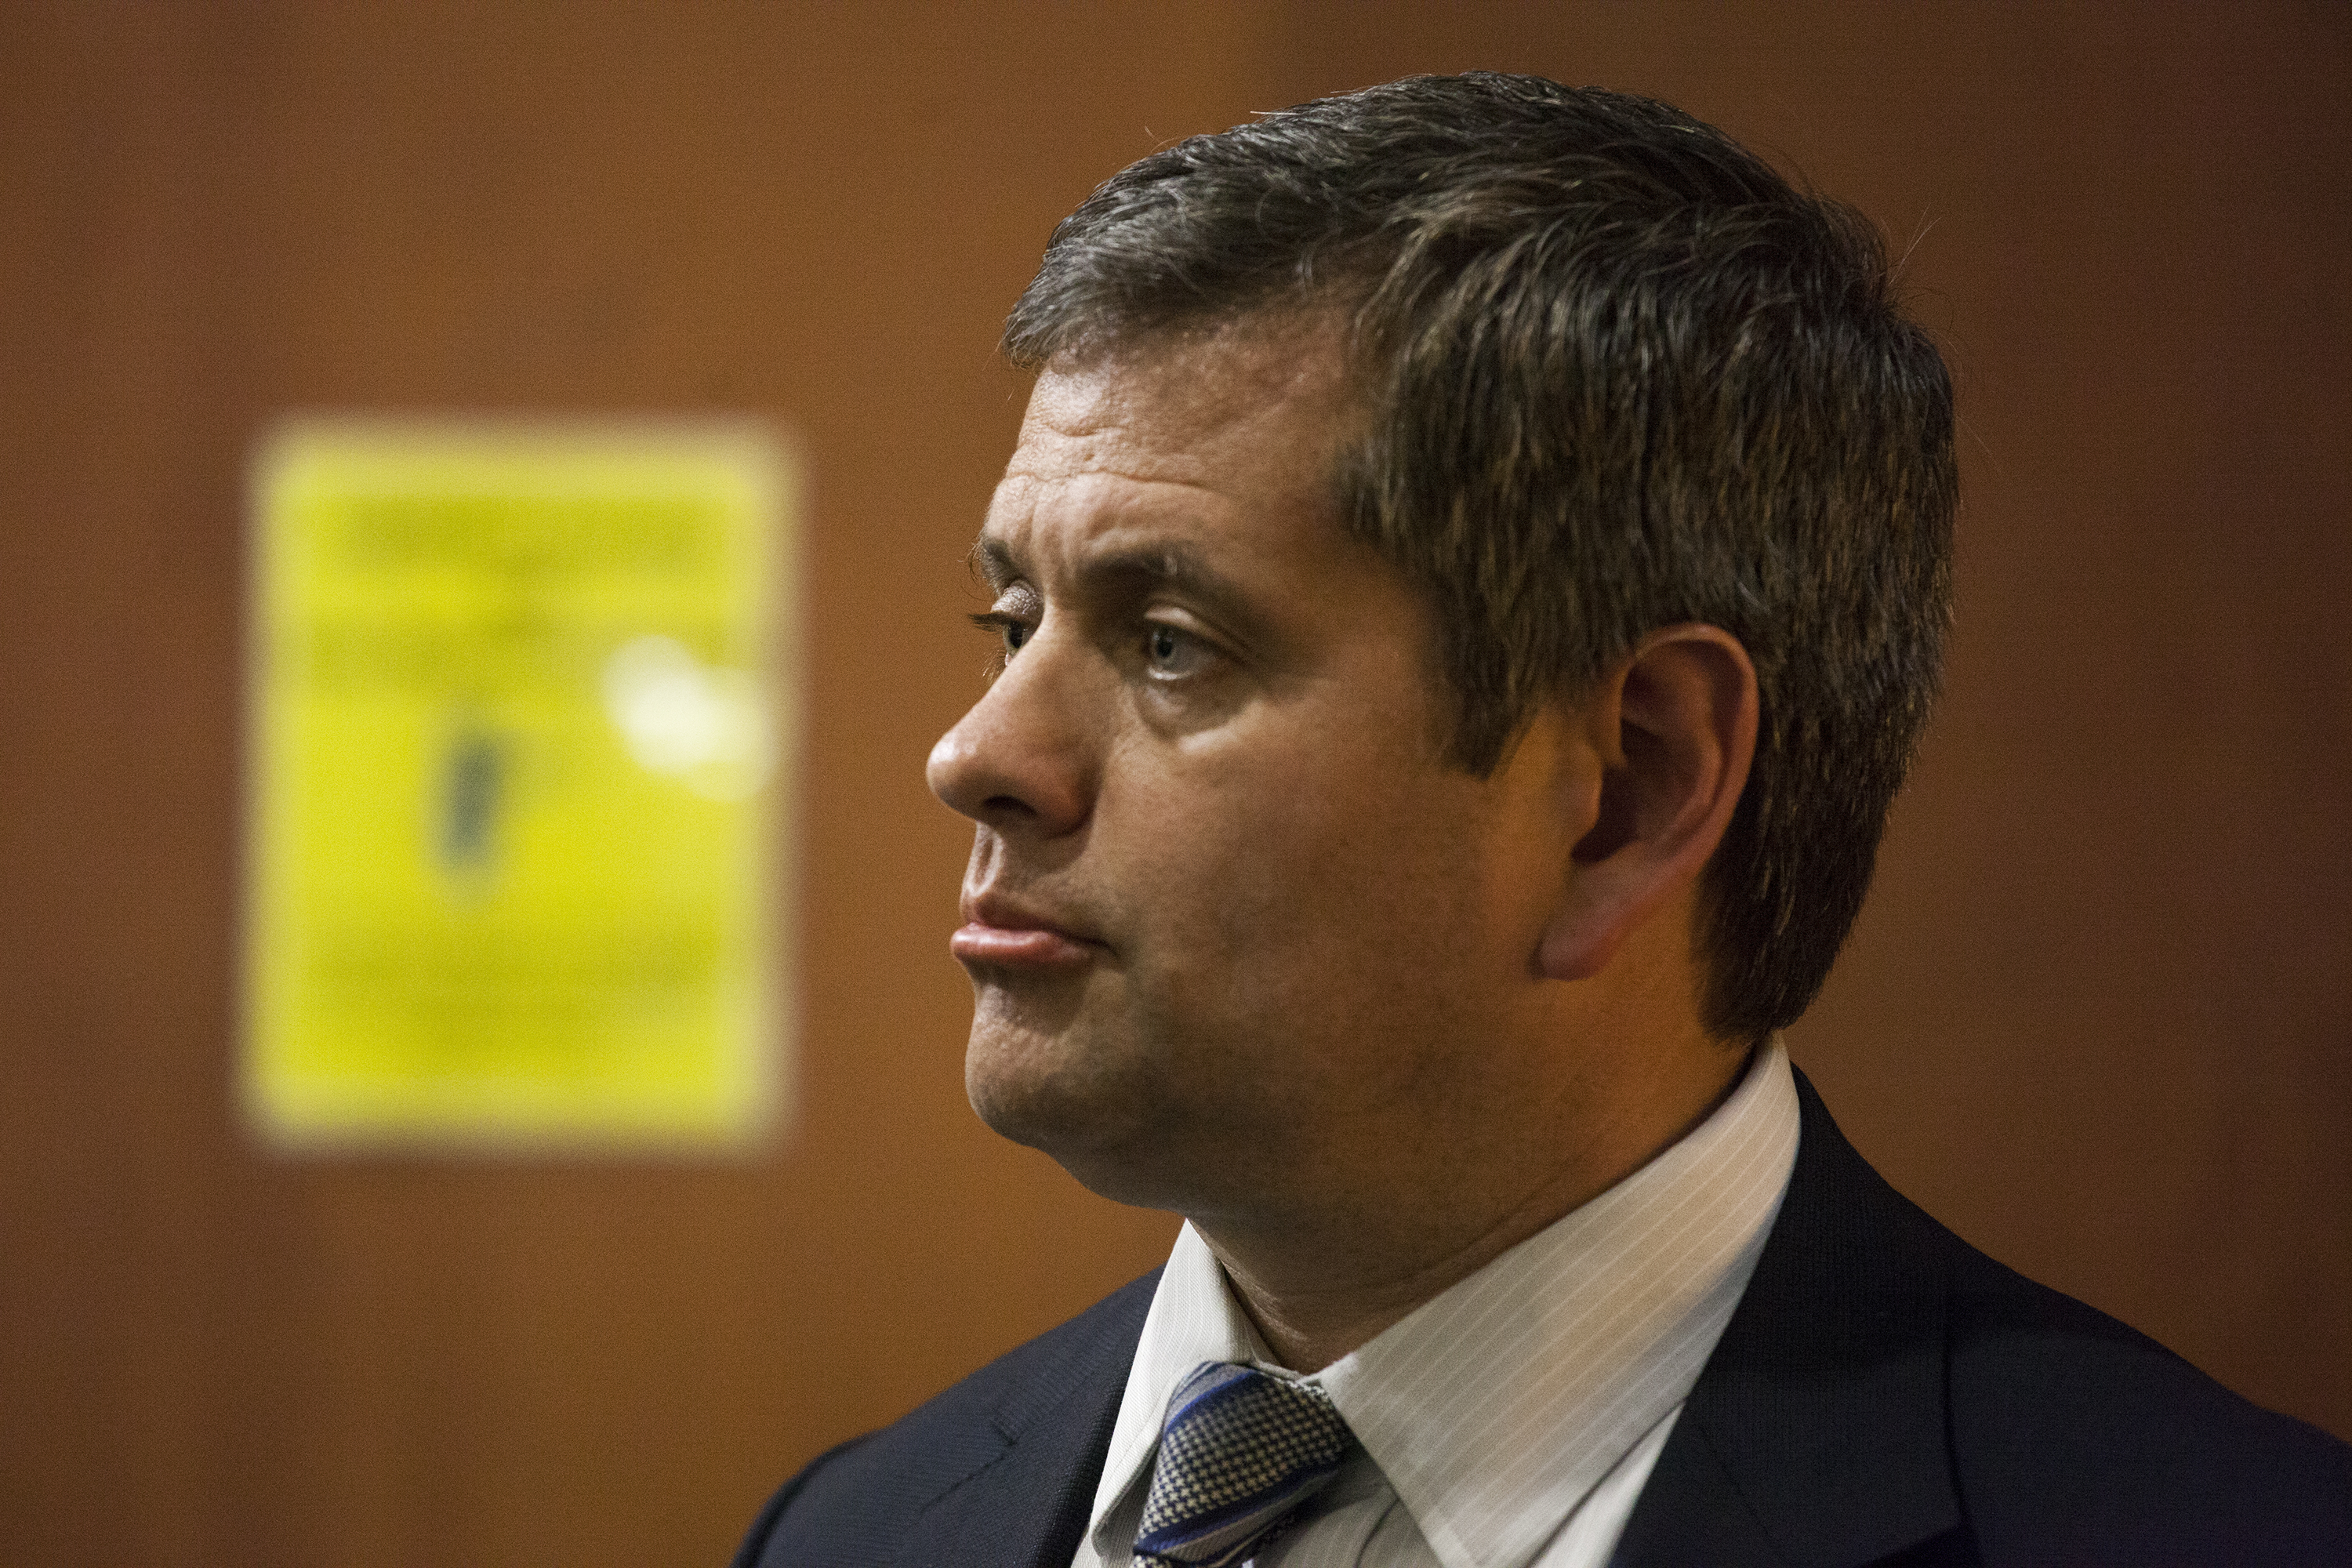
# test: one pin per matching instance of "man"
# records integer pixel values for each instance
(1470, 581)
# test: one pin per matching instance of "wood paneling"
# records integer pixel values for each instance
(2096, 1016)
(220, 212)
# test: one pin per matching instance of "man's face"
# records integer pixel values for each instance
(1229, 907)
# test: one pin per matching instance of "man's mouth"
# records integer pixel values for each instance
(999, 933)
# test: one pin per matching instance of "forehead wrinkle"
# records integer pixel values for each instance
(1075, 460)
(1187, 416)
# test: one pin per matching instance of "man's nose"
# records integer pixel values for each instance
(1021, 760)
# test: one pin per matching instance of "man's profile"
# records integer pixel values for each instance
(1471, 579)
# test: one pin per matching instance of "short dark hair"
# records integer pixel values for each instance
(1619, 373)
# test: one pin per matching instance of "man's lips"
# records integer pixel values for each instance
(1012, 947)
(995, 935)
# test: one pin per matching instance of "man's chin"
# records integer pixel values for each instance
(1098, 1128)
(1039, 1105)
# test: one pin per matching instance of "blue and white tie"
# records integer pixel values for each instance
(1239, 1451)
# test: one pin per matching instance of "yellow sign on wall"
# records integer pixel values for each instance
(522, 726)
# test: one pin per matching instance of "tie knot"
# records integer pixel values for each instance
(1239, 1450)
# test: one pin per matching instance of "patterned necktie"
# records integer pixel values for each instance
(1238, 1452)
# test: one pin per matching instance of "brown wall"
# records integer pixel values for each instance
(2096, 1017)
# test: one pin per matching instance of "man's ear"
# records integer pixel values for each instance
(1673, 727)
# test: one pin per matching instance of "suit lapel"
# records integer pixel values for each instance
(1025, 1510)
(1027, 1507)
(1816, 1434)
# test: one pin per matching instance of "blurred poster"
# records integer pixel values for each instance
(522, 722)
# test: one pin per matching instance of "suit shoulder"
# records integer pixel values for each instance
(853, 1504)
(1884, 1385)
(2074, 1431)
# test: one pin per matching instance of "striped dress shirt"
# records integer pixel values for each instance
(1512, 1420)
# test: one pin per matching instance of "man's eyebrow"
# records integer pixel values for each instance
(1169, 563)
(994, 562)
(1175, 566)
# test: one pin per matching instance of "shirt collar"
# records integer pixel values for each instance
(1494, 1408)
(1193, 1318)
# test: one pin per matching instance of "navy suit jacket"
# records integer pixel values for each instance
(1885, 1395)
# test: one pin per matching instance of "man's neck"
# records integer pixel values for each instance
(1318, 1289)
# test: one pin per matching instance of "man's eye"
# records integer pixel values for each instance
(1171, 654)
(1012, 633)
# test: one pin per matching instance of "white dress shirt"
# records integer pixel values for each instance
(1512, 1419)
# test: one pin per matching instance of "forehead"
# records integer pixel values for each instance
(1222, 440)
